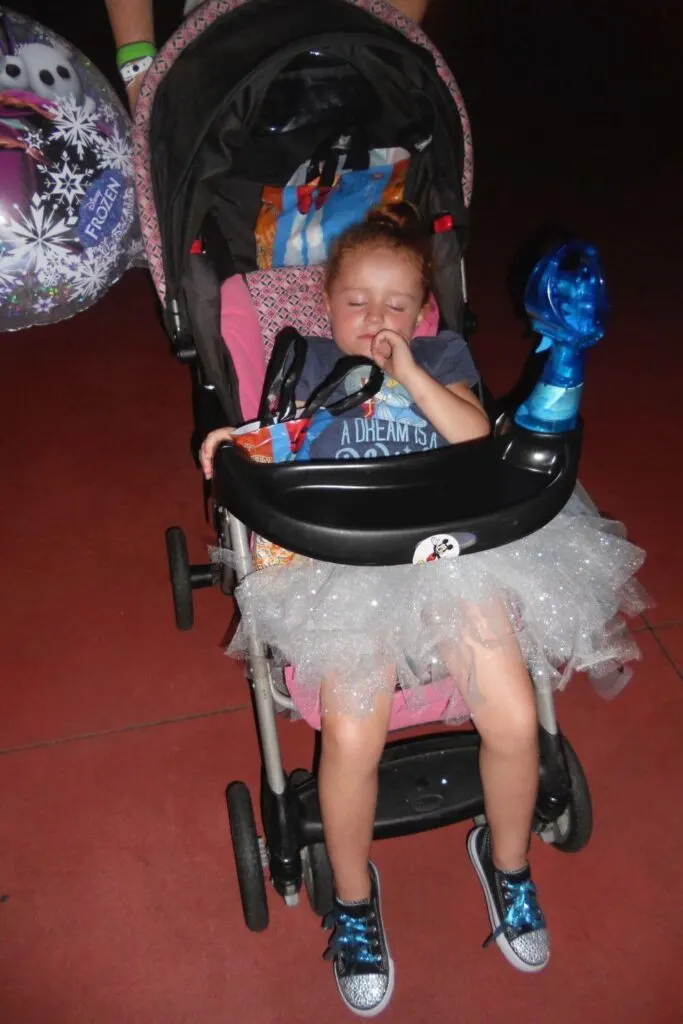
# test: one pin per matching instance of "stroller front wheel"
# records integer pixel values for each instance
(316, 869)
(573, 829)
(247, 850)
(228, 576)
(317, 875)
(181, 577)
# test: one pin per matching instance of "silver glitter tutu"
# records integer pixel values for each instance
(562, 590)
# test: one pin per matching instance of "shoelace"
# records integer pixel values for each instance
(355, 939)
(523, 913)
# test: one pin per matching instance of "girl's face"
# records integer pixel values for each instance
(375, 289)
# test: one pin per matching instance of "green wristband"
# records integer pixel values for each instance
(134, 51)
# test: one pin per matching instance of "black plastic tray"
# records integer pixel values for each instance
(484, 493)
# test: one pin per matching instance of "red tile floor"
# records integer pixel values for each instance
(118, 734)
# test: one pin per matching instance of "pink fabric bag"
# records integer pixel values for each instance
(241, 332)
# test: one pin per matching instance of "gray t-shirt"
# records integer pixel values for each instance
(390, 423)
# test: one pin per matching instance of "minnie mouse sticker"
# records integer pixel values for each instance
(68, 228)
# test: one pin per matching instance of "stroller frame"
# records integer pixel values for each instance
(427, 781)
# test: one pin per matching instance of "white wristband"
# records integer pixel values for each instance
(130, 71)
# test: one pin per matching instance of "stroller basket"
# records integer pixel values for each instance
(377, 512)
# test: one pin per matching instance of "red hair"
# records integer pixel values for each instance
(394, 226)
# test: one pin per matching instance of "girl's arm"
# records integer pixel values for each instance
(213, 440)
(452, 410)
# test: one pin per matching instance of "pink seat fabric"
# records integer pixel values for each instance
(241, 332)
(436, 703)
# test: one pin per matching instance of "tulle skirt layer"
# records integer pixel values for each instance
(561, 591)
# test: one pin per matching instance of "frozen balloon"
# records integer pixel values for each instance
(68, 226)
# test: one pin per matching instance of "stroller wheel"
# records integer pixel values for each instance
(315, 865)
(572, 830)
(181, 578)
(245, 843)
(317, 875)
(228, 577)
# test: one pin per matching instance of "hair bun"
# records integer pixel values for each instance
(401, 216)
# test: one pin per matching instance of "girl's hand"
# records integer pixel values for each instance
(208, 448)
(391, 351)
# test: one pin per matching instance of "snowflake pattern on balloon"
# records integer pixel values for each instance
(44, 304)
(114, 152)
(65, 184)
(76, 123)
(57, 268)
(135, 252)
(108, 113)
(92, 273)
(9, 279)
(38, 234)
(34, 140)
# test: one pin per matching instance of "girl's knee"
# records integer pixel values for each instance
(511, 726)
(357, 741)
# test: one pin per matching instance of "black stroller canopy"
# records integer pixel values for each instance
(261, 90)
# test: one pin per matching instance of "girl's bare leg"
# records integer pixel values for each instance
(503, 708)
(347, 788)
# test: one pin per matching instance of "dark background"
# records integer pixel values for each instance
(535, 74)
(607, 72)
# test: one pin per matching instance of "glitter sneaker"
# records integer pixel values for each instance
(363, 968)
(517, 922)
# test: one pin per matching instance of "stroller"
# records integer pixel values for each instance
(243, 95)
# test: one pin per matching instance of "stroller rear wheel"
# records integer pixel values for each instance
(318, 881)
(181, 577)
(573, 829)
(247, 849)
(315, 865)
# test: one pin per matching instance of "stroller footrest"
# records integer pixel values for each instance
(425, 782)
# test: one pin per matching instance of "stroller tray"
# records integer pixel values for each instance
(482, 494)
(425, 782)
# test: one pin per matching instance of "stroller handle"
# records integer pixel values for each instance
(480, 494)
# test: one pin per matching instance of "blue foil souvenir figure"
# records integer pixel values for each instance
(68, 227)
